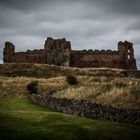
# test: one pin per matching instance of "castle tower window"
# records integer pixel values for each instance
(129, 51)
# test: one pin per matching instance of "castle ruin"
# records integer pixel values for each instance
(59, 52)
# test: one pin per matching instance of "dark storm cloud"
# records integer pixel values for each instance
(96, 24)
(120, 6)
(23, 4)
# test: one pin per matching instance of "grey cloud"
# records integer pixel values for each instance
(119, 6)
(134, 26)
(127, 6)
(124, 6)
(23, 5)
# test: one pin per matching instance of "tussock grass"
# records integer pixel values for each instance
(119, 92)
(16, 86)
(101, 85)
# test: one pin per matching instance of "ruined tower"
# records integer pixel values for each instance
(126, 53)
(57, 51)
(8, 52)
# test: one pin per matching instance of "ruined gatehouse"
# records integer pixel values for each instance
(59, 52)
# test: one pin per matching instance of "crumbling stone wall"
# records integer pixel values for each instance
(58, 52)
(123, 58)
(95, 58)
(35, 56)
(10, 56)
(88, 109)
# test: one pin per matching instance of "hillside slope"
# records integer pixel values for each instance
(104, 85)
(116, 91)
(47, 71)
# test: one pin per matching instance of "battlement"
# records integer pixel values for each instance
(51, 44)
(58, 52)
(90, 51)
(125, 43)
(35, 51)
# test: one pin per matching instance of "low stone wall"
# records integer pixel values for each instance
(88, 109)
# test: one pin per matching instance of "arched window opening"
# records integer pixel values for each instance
(129, 53)
(128, 57)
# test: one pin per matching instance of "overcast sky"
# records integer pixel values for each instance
(88, 24)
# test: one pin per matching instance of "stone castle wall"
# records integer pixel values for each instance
(58, 52)
(95, 59)
(29, 57)
(10, 56)
(87, 109)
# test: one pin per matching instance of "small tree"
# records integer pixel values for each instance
(32, 87)
(71, 80)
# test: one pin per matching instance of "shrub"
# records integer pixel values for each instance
(32, 87)
(71, 80)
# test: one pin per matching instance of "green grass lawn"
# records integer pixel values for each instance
(21, 119)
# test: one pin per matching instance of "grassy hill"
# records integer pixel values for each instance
(47, 71)
(117, 91)
(103, 85)
(21, 119)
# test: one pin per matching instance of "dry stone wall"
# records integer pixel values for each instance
(87, 109)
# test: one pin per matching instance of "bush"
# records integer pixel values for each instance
(32, 87)
(71, 80)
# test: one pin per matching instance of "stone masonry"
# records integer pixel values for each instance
(58, 52)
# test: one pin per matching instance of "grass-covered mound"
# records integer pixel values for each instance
(21, 119)
(47, 71)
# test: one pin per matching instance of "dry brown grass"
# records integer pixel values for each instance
(48, 71)
(103, 85)
(16, 86)
(120, 92)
